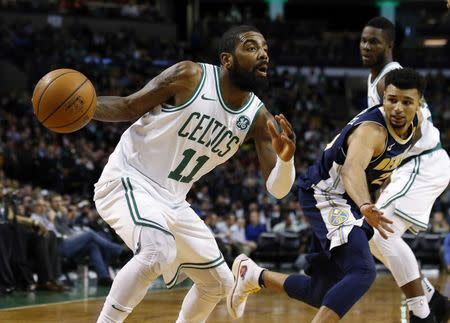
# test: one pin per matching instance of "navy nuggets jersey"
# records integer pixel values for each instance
(324, 174)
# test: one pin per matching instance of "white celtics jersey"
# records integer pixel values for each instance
(430, 134)
(372, 94)
(171, 147)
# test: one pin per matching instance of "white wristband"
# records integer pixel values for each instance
(281, 178)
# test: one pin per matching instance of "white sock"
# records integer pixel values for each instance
(419, 306)
(427, 288)
(128, 289)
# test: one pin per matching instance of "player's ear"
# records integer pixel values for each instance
(226, 60)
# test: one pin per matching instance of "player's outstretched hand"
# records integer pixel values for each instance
(376, 219)
(283, 142)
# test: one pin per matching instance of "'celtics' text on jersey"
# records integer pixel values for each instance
(171, 147)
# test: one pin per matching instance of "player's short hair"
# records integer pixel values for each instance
(384, 24)
(405, 78)
(230, 38)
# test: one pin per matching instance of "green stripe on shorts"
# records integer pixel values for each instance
(205, 265)
(137, 219)
(410, 219)
(408, 184)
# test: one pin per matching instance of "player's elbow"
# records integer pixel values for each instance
(345, 170)
(132, 107)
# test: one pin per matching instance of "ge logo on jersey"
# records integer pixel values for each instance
(337, 216)
(243, 122)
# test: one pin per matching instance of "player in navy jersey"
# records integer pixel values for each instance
(335, 195)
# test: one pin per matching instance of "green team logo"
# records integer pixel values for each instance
(243, 122)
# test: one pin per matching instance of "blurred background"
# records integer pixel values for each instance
(316, 80)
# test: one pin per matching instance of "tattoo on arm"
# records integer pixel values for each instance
(174, 80)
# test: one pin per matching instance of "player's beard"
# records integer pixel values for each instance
(247, 81)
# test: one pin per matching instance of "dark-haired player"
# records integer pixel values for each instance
(335, 195)
(408, 198)
(192, 117)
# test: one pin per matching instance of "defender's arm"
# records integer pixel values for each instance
(366, 141)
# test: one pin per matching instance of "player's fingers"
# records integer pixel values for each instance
(382, 233)
(287, 140)
(387, 227)
(287, 122)
(288, 131)
(272, 130)
(385, 220)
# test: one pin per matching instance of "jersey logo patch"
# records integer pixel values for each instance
(243, 122)
(337, 216)
(206, 98)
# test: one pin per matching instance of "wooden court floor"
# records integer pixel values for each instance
(382, 304)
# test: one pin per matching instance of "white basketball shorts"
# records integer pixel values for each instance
(129, 204)
(415, 186)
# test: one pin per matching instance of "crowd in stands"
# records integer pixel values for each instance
(131, 9)
(44, 233)
(47, 179)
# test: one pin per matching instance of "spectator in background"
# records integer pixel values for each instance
(45, 245)
(439, 223)
(239, 239)
(130, 9)
(254, 227)
(7, 280)
(214, 224)
(447, 252)
(288, 224)
(77, 243)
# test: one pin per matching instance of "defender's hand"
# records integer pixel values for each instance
(376, 219)
(283, 142)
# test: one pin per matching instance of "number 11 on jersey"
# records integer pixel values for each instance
(188, 154)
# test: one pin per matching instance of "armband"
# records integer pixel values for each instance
(281, 178)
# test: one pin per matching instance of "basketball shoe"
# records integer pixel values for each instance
(440, 307)
(414, 319)
(246, 281)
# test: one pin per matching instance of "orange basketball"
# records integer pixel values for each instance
(64, 100)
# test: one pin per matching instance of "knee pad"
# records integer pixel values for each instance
(156, 247)
(399, 259)
(221, 283)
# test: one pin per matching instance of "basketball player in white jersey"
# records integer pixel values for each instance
(408, 198)
(191, 118)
